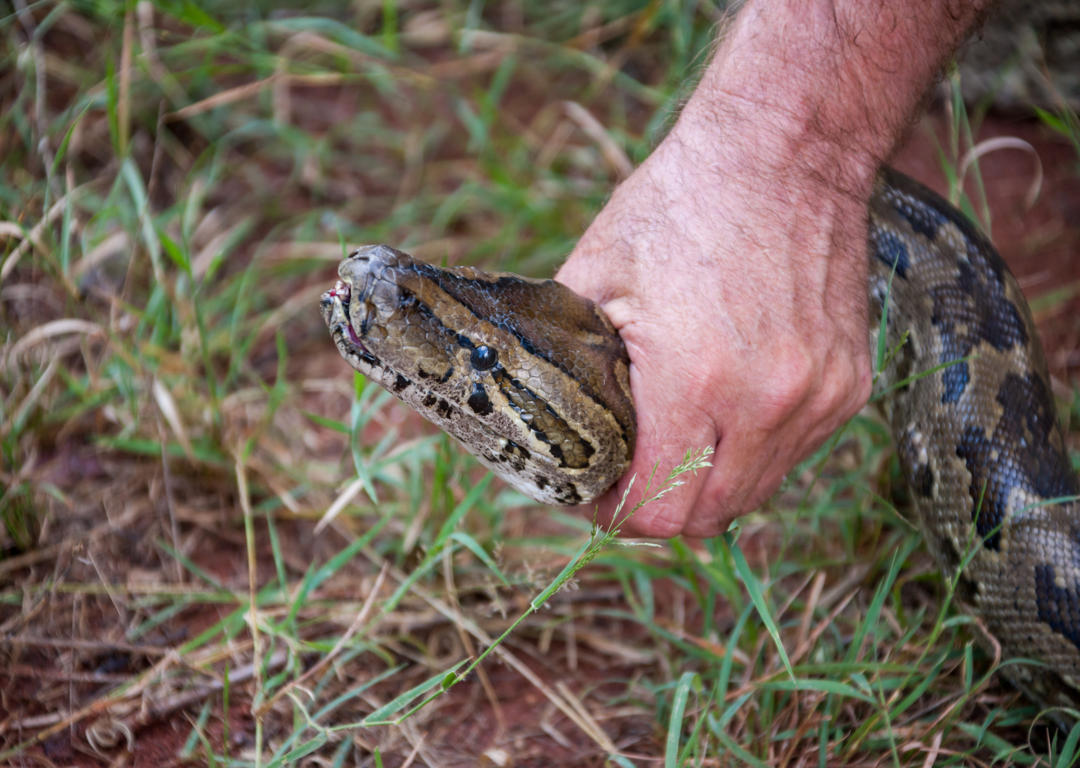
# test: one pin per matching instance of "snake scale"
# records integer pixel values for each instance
(533, 379)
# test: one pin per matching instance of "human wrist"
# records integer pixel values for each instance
(779, 183)
(821, 89)
(776, 154)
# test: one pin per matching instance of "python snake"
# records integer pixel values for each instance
(533, 379)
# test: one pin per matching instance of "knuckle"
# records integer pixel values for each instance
(719, 502)
(715, 505)
(846, 388)
(863, 382)
(659, 527)
(795, 377)
(853, 390)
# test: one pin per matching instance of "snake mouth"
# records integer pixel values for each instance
(336, 305)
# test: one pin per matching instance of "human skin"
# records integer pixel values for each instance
(733, 260)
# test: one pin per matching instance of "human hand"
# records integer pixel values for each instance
(733, 261)
(738, 283)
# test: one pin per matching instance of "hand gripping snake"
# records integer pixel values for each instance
(533, 379)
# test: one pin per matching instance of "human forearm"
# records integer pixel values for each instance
(828, 84)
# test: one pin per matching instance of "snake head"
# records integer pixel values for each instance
(529, 376)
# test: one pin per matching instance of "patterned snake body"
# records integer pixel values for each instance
(533, 379)
(978, 438)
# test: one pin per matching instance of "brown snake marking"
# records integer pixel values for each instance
(533, 379)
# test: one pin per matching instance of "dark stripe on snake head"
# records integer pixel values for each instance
(525, 310)
(565, 445)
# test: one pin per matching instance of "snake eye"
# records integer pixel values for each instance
(483, 358)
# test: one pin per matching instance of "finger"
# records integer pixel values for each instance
(751, 466)
(753, 457)
(667, 428)
(739, 467)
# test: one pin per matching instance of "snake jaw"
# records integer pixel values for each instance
(335, 305)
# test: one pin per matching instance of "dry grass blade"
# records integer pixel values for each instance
(171, 412)
(999, 143)
(32, 237)
(49, 330)
(613, 153)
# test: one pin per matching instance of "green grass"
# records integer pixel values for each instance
(220, 539)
